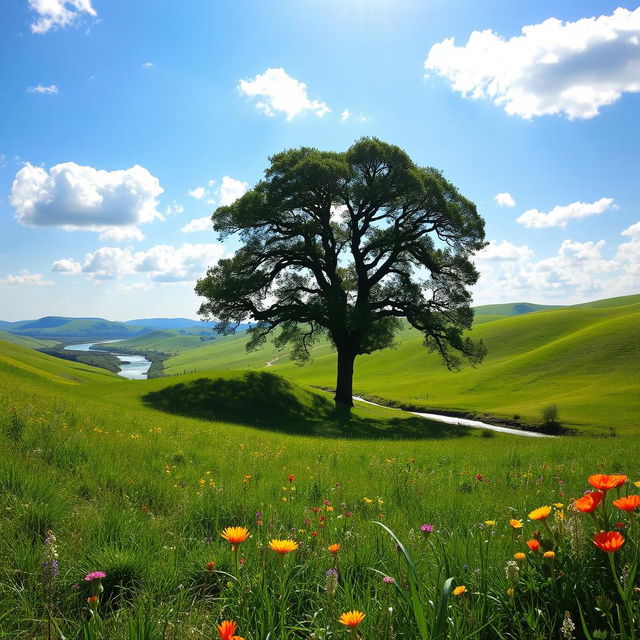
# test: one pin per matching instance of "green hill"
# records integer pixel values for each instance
(585, 359)
(26, 341)
(61, 328)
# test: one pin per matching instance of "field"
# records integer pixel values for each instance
(138, 480)
(584, 359)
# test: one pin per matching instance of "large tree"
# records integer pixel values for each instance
(348, 245)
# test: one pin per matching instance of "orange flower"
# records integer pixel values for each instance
(458, 591)
(211, 566)
(533, 544)
(351, 619)
(227, 629)
(235, 535)
(334, 548)
(283, 546)
(515, 524)
(519, 556)
(541, 513)
(606, 482)
(608, 541)
(549, 555)
(589, 502)
(628, 503)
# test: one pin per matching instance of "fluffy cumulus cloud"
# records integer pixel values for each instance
(275, 91)
(73, 197)
(505, 199)
(51, 89)
(198, 193)
(227, 193)
(554, 67)
(578, 271)
(55, 14)
(559, 216)
(25, 278)
(162, 263)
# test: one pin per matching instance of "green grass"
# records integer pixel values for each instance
(584, 359)
(26, 341)
(138, 478)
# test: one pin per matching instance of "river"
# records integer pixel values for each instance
(132, 366)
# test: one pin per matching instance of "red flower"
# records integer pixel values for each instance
(608, 541)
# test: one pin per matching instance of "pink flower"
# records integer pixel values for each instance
(388, 580)
(426, 529)
(95, 575)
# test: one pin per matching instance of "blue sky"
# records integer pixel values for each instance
(125, 123)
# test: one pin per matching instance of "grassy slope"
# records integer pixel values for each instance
(585, 359)
(26, 341)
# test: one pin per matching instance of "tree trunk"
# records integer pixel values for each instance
(344, 382)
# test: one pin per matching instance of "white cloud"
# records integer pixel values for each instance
(25, 278)
(147, 65)
(197, 193)
(198, 224)
(277, 92)
(504, 199)
(53, 14)
(174, 209)
(51, 89)
(559, 216)
(504, 251)
(345, 115)
(230, 190)
(73, 197)
(227, 193)
(628, 253)
(162, 263)
(66, 265)
(553, 67)
(121, 234)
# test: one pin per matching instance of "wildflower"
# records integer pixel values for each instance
(92, 601)
(210, 566)
(479, 477)
(490, 523)
(334, 548)
(568, 627)
(331, 582)
(533, 544)
(227, 630)
(95, 575)
(628, 503)
(351, 619)
(283, 547)
(515, 524)
(608, 541)
(235, 535)
(511, 592)
(511, 571)
(519, 556)
(291, 478)
(458, 591)
(542, 513)
(426, 529)
(558, 505)
(329, 508)
(388, 580)
(589, 502)
(367, 500)
(637, 484)
(606, 482)
(314, 534)
(549, 555)
(49, 561)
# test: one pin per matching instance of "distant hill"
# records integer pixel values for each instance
(513, 309)
(169, 323)
(62, 328)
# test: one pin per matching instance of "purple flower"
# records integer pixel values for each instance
(388, 580)
(426, 529)
(95, 575)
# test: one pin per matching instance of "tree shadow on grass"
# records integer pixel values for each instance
(269, 402)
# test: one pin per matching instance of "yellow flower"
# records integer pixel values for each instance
(558, 505)
(235, 535)
(510, 592)
(515, 524)
(549, 555)
(458, 591)
(542, 513)
(283, 546)
(329, 508)
(490, 523)
(351, 619)
(519, 556)
(637, 484)
(368, 500)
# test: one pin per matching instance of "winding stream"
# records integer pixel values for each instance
(132, 366)
(476, 424)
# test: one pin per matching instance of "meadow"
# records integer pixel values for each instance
(138, 479)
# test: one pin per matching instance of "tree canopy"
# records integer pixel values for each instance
(348, 245)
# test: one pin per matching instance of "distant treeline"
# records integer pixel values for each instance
(102, 360)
